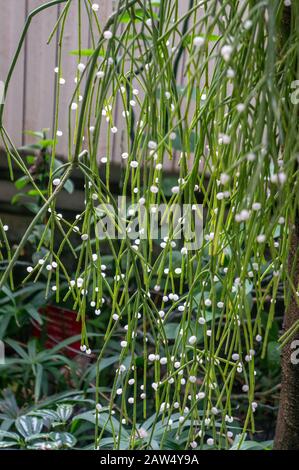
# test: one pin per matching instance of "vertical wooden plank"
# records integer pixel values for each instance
(69, 69)
(37, 103)
(106, 7)
(120, 139)
(12, 20)
(182, 80)
(39, 80)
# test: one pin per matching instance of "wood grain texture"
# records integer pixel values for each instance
(39, 67)
(12, 19)
(31, 102)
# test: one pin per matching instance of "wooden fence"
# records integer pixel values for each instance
(30, 102)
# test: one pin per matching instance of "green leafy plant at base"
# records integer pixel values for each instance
(38, 159)
(190, 324)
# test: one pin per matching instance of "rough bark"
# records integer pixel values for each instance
(287, 428)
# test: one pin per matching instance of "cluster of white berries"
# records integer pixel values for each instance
(242, 215)
(224, 139)
(84, 348)
(278, 178)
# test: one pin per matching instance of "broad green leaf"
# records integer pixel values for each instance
(22, 182)
(109, 423)
(64, 412)
(63, 439)
(29, 425)
(86, 52)
(273, 354)
(171, 330)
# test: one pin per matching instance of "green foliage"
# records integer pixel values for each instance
(40, 164)
(31, 432)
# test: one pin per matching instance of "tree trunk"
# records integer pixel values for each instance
(287, 427)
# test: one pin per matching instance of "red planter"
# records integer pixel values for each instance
(58, 325)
